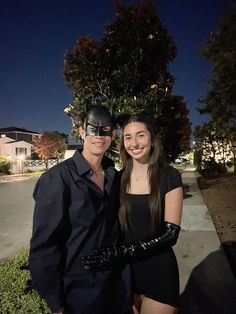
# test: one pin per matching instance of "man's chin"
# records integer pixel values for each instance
(98, 151)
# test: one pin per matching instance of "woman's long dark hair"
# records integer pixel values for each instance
(153, 174)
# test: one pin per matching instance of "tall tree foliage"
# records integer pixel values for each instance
(127, 70)
(220, 49)
(220, 101)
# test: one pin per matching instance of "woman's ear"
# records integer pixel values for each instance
(82, 133)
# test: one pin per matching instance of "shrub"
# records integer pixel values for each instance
(197, 157)
(15, 298)
(4, 165)
(211, 167)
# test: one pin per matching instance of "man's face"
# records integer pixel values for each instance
(96, 144)
(97, 132)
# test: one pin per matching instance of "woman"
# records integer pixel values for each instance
(151, 197)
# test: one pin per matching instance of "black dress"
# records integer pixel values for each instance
(157, 277)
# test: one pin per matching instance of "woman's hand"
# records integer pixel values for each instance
(104, 259)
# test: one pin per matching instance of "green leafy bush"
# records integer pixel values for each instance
(15, 297)
(4, 165)
(211, 167)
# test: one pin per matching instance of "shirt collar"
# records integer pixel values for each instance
(81, 163)
(84, 168)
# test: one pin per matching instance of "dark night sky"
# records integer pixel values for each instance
(34, 35)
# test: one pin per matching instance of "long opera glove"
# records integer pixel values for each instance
(106, 258)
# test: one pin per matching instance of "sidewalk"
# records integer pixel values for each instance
(206, 281)
(13, 177)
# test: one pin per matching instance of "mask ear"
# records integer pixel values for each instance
(82, 133)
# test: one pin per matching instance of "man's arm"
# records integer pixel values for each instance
(50, 230)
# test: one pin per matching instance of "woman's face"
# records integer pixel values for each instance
(137, 141)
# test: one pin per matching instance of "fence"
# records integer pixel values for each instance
(20, 166)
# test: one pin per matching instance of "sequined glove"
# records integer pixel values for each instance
(107, 258)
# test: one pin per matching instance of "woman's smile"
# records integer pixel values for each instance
(137, 141)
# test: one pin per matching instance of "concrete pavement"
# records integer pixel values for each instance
(206, 280)
(13, 178)
(16, 214)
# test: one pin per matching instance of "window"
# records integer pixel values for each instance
(21, 151)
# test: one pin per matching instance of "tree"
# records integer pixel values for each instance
(220, 49)
(220, 101)
(212, 148)
(50, 145)
(127, 71)
(137, 48)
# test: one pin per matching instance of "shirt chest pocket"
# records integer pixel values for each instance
(86, 205)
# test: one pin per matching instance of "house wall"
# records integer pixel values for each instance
(19, 149)
(4, 149)
(69, 153)
(8, 148)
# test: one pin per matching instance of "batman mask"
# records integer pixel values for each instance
(98, 122)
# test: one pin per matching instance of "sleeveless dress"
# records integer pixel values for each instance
(157, 276)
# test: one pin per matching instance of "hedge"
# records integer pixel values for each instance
(16, 297)
(4, 165)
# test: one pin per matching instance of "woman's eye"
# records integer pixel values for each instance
(141, 135)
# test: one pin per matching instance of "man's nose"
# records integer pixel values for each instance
(99, 131)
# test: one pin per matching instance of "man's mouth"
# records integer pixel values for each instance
(98, 143)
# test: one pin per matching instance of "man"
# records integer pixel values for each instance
(76, 212)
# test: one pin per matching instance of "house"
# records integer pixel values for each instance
(71, 149)
(14, 149)
(19, 134)
(17, 143)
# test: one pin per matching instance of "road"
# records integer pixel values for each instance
(16, 214)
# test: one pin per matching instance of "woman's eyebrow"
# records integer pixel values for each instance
(136, 133)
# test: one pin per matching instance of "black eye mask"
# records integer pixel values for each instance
(98, 117)
(98, 131)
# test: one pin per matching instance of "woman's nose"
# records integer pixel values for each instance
(134, 141)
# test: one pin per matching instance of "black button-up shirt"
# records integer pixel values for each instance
(72, 217)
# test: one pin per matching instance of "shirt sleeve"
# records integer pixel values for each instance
(50, 229)
(172, 179)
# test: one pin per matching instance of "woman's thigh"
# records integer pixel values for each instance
(144, 305)
(137, 303)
